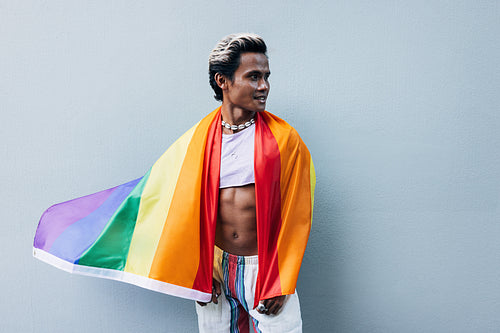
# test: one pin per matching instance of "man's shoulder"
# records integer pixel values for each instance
(279, 124)
(284, 132)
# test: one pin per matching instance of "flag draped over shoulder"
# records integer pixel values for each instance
(158, 231)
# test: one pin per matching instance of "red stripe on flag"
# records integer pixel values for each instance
(209, 206)
(268, 211)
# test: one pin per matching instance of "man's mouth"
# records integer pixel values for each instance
(261, 98)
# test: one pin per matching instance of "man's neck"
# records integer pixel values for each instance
(235, 116)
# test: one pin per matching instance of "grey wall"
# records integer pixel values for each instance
(398, 102)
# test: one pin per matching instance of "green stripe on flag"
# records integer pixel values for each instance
(110, 250)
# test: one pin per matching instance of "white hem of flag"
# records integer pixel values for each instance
(106, 273)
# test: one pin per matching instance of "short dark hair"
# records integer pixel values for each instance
(226, 55)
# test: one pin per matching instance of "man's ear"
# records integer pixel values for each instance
(221, 80)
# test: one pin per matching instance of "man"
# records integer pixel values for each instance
(222, 217)
(239, 74)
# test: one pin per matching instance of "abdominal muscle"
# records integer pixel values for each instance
(236, 230)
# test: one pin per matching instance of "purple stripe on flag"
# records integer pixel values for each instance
(79, 236)
(58, 217)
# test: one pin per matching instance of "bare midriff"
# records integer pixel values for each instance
(236, 230)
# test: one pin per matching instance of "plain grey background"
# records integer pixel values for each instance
(398, 102)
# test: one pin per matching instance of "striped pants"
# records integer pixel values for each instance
(234, 313)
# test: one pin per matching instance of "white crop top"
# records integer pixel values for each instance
(236, 160)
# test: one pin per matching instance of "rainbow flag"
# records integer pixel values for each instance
(158, 231)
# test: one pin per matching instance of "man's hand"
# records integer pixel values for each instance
(215, 293)
(272, 305)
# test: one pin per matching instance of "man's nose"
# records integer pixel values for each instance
(263, 84)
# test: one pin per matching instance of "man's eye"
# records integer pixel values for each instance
(254, 77)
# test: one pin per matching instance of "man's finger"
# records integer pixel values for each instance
(217, 287)
(271, 307)
(261, 308)
(215, 297)
(275, 308)
(268, 303)
(215, 291)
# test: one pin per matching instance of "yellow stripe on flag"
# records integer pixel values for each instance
(313, 187)
(156, 200)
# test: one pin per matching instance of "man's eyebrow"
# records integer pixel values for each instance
(258, 72)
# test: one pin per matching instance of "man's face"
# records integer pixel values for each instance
(250, 86)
